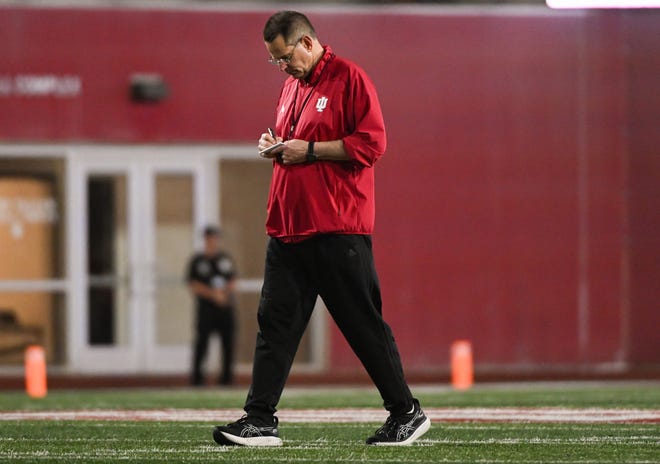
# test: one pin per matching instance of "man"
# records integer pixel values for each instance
(320, 217)
(211, 279)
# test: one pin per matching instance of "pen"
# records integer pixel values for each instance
(271, 132)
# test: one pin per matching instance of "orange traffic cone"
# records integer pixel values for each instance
(462, 371)
(35, 371)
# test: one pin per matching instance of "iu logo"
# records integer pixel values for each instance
(321, 103)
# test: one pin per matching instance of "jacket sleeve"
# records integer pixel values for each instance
(367, 142)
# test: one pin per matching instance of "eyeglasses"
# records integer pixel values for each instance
(285, 60)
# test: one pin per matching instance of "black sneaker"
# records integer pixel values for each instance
(402, 430)
(248, 431)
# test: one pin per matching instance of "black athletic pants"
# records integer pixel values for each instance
(339, 268)
(214, 320)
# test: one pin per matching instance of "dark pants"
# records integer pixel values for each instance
(339, 268)
(211, 320)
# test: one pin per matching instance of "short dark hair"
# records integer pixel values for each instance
(290, 24)
(211, 231)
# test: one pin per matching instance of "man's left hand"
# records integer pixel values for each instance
(295, 151)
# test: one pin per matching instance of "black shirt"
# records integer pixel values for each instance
(215, 271)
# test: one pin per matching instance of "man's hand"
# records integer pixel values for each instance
(265, 141)
(295, 151)
(220, 296)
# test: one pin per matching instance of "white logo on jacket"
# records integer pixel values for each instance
(321, 103)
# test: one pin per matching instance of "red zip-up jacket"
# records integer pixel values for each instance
(337, 101)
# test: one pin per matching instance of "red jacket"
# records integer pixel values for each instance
(338, 101)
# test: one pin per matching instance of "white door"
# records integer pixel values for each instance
(135, 217)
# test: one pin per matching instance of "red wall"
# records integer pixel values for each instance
(517, 203)
(215, 65)
(643, 187)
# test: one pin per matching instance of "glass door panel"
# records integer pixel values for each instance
(174, 230)
(107, 260)
(130, 303)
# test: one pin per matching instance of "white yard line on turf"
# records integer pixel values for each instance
(348, 415)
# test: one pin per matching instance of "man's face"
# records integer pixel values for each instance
(211, 243)
(292, 59)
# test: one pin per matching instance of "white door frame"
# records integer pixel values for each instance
(140, 165)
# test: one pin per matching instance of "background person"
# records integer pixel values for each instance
(211, 278)
(320, 220)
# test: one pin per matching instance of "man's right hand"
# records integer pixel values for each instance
(265, 141)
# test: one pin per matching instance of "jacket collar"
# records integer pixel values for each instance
(315, 75)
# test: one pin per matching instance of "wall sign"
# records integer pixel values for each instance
(40, 85)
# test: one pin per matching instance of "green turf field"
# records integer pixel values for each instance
(24, 441)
